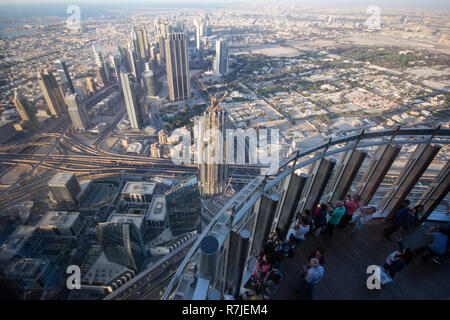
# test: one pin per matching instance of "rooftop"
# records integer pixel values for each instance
(25, 268)
(60, 178)
(15, 241)
(137, 219)
(138, 187)
(60, 219)
(157, 209)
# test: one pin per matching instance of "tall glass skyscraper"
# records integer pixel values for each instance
(122, 243)
(150, 83)
(210, 138)
(52, 92)
(221, 63)
(183, 206)
(64, 76)
(135, 114)
(77, 112)
(139, 36)
(25, 111)
(177, 64)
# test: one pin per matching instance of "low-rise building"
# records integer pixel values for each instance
(60, 224)
(156, 217)
(138, 192)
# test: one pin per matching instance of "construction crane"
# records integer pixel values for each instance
(226, 188)
(213, 106)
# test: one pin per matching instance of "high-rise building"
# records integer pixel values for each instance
(114, 63)
(26, 113)
(52, 92)
(65, 187)
(150, 82)
(77, 112)
(122, 243)
(183, 206)
(135, 114)
(152, 53)
(60, 224)
(162, 47)
(221, 61)
(211, 150)
(177, 65)
(64, 76)
(139, 36)
(101, 77)
(91, 86)
(132, 62)
(197, 35)
(101, 67)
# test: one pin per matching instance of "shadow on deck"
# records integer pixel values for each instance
(347, 258)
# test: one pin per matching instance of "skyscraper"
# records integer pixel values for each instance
(101, 78)
(91, 85)
(162, 46)
(132, 62)
(150, 83)
(211, 149)
(115, 62)
(77, 112)
(122, 243)
(221, 64)
(101, 66)
(52, 92)
(26, 113)
(64, 75)
(197, 34)
(135, 114)
(183, 206)
(139, 36)
(177, 65)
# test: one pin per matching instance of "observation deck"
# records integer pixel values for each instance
(384, 167)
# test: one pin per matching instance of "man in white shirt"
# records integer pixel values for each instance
(298, 232)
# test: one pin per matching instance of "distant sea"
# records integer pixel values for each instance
(88, 10)
(18, 15)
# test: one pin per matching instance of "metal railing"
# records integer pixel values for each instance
(239, 205)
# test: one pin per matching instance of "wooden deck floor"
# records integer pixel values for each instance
(347, 258)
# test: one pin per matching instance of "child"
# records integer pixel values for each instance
(361, 216)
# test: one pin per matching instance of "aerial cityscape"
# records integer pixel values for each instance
(241, 150)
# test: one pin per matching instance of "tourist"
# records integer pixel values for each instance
(308, 219)
(272, 283)
(351, 205)
(313, 275)
(417, 213)
(320, 218)
(335, 218)
(298, 232)
(361, 217)
(318, 254)
(438, 245)
(397, 260)
(402, 220)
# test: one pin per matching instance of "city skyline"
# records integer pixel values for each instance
(207, 150)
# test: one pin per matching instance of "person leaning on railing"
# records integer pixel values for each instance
(335, 217)
(402, 219)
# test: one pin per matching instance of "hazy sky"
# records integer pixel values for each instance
(382, 3)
